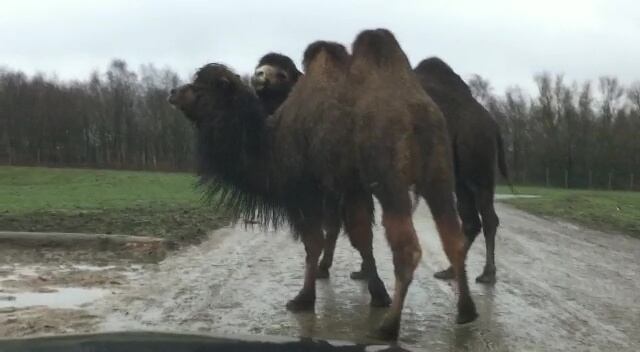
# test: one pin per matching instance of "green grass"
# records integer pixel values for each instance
(605, 210)
(103, 201)
(168, 205)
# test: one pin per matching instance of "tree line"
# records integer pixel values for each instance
(576, 135)
(113, 119)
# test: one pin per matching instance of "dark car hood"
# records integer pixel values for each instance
(164, 342)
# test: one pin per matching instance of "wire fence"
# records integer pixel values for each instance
(584, 179)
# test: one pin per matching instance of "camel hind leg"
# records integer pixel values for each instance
(310, 231)
(332, 231)
(358, 219)
(437, 191)
(490, 222)
(471, 225)
(406, 251)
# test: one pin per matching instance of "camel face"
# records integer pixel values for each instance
(270, 77)
(182, 97)
(212, 88)
(274, 77)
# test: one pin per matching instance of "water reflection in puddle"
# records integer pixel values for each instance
(70, 297)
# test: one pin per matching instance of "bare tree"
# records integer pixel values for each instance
(481, 89)
(120, 118)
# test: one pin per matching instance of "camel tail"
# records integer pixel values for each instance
(502, 162)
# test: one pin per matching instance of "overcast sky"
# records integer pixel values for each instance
(505, 41)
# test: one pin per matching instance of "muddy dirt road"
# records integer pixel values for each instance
(560, 288)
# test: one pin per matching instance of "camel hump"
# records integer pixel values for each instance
(437, 72)
(335, 51)
(378, 46)
(434, 64)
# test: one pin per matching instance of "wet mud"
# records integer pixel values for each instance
(51, 291)
(560, 287)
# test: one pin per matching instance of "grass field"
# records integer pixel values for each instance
(604, 210)
(168, 205)
(102, 201)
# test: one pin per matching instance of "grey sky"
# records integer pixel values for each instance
(505, 41)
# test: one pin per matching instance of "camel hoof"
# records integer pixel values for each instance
(466, 312)
(380, 302)
(379, 296)
(389, 330)
(446, 274)
(487, 277)
(359, 275)
(323, 273)
(301, 304)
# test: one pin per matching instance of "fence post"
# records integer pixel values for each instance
(547, 176)
(590, 178)
(610, 179)
(566, 178)
(631, 182)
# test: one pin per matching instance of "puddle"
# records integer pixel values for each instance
(18, 271)
(11, 277)
(70, 297)
(84, 267)
(513, 196)
(13, 274)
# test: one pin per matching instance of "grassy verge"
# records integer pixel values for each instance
(167, 204)
(604, 210)
(103, 201)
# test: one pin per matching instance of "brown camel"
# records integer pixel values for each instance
(477, 148)
(341, 137)
(274, 77)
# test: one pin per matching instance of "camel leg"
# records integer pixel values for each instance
(358, 219)
(405, 247)
(313, 240)
(490, 224)
(440, 201)
(471, 225)
(365, 267)
(368, 264)
(361, 274)
(332, 230)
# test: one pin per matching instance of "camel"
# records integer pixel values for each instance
(273, 78)
(477, 145)
(352, 128)
(477, 149)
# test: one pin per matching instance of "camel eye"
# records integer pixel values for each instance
(281, 76)
(260, 73)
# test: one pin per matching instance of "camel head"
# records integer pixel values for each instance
(274, 77)
(213, 88)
